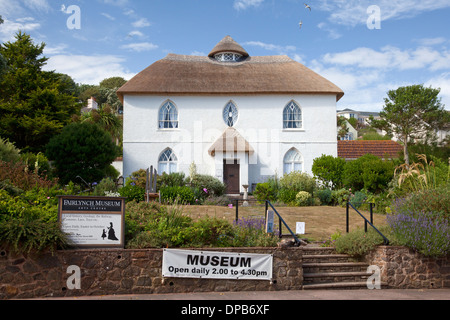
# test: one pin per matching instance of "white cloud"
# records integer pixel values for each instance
(139, 47)
(108, 16)
(354, 12)
(40, 5)
(59, 49)
(9, 28)
(89, 69)
(271, 47)
(244, 4)
(442, 81)
(332, 33)
(141, 23)
(390, 57)
(135, 33)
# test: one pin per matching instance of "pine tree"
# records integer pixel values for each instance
(33, 103)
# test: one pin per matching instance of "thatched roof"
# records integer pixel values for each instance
(189, 75)
(227, 44)
(231, 141)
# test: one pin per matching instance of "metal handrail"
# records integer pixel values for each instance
(297, 241)
(386, 240)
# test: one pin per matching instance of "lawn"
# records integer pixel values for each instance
(321, 221)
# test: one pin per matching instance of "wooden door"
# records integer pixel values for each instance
(231, 177)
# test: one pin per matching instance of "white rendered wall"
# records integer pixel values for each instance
(201, 124)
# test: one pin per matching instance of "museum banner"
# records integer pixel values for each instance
(93, 222)
(216, 265)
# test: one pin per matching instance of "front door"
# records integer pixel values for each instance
(231, 177)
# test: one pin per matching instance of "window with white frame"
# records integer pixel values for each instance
(168, 116)
(230, 114)
(168, 162)
(292, 116)
(228, 57)
(293, 161)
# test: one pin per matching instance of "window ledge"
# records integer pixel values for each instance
(293, 130)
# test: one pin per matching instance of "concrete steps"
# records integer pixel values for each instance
(324, 269)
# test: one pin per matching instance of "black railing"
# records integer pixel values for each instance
(267, 204)
(281, 222)
(366, 222)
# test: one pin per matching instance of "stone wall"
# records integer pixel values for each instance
(129, 272)
(402, 268)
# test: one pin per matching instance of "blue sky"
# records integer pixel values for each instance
(122, 37)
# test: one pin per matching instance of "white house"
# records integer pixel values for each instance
(239, 118)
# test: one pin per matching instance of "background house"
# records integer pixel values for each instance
(237, 117)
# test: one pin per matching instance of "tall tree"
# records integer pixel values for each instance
(34, 104)
(410, 112)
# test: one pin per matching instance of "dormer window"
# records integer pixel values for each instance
(228, 57)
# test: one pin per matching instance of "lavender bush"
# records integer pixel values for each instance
(423, 231)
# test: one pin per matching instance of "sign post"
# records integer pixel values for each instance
(93, 222)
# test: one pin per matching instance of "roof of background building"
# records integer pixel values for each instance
(384, 149)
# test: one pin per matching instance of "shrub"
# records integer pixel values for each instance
(340, 197)
(106, 185)
(180, 195)
(132, 192)
(358, 199)
(422, 222)
(329, 170)
(24, 234)
(8, 151)
(287, 196)
(358, 242)
(17, 175)
(82, 149)
(212, 184)
(421, 175)
(291, 184)
(175, 179)
(368, 172)
(303, 198)
(298, 181)
(37, 163)
(264, 191)
(324, 196)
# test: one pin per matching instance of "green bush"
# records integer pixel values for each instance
(340, 197)
(25, 233)
(265, 191)
(175, 179)
(329, 170)
(287, 196)
(324, 196)
(213, 185)
(82, 149)
(180, 195)
(358, 199)
(303, 198)
(368, 172)
(358, 243)
(8, 151)
(29, 222)
(291, 184)
(298, 181)
(132, 192)
(106, 185)
(37, 163)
